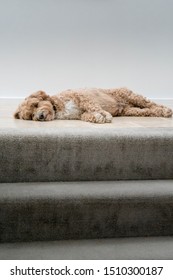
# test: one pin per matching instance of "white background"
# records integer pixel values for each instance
(55, 45)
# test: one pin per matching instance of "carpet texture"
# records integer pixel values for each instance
(85, 154)
(83, 210)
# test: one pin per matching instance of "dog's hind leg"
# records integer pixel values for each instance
(136, 100)
(146, 112)
(132, 98)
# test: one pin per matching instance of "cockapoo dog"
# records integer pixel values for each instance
(91, 105)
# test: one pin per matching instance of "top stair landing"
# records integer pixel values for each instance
(128, 149)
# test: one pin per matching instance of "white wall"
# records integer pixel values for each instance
(59, 44)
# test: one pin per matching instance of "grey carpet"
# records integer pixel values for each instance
(140, 248)
(83, 210)
(85, 154)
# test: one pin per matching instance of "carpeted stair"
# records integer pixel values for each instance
(57, 211)
(87, 183)
(85, 154)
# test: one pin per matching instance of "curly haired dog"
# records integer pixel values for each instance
(91, 105)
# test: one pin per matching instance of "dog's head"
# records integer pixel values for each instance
(37, 107)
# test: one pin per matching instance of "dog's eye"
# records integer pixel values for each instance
(36, 105)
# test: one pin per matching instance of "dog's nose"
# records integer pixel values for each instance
(41, 116)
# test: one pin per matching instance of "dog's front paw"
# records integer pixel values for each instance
(108, 116)
(102, 117)
(167, 113)
(97, 117)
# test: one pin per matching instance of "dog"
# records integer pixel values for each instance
(91, 105)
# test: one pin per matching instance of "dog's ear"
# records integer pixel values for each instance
(33, 102)
(57, 103)
(16, 115)
(41, 95)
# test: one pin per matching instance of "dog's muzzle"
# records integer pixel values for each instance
(41, 116)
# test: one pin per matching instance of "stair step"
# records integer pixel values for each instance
(138, 248)
(84, 210)
(91, 153)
